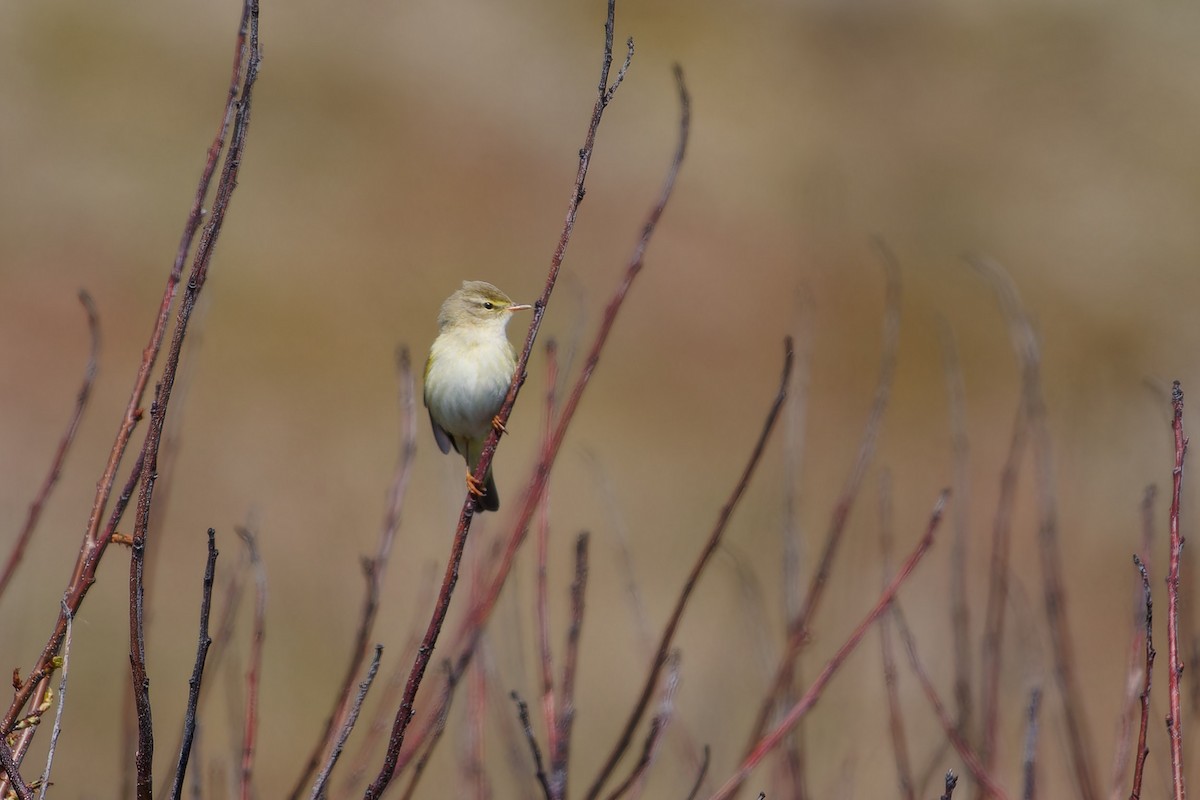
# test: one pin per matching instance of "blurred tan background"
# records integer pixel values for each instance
(399, 148)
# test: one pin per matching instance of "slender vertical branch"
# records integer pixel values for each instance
(959, 618)
(62, 702)
(566, 714)
(710, 547)
(527, 729)
(1175, 665)
(1139, 762)
(541, 601)
(254, 669)
(895, 716)
(194, 682)
(997, 596)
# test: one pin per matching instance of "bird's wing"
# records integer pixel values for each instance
(444, 440)
(439, 433)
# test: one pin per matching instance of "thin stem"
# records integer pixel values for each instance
(195, 682)
(1175, 665)
(254, 669)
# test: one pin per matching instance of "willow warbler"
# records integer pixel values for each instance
(467, 375)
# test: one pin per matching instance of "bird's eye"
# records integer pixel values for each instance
(488, 305)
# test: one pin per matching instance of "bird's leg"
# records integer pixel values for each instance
(473, 486)
(498, 426)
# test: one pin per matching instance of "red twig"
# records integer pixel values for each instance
(710, 547)
(421, 663)
(1175, 665)
(794, 753)
(374, 570)
(799, 626)
(1134, 673)
(810, 697)
(959, 618)
(997, 597)
(895, 716)
(1139, 762)
(542, 602)
(476, 619)
(64, 446)
(566, 714)
(978, 771)
(254, 669)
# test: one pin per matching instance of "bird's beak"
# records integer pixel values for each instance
(520, 307)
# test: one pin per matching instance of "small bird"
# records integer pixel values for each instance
(467, 376)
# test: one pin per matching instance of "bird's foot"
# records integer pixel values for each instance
(498, 426)
(474, 487)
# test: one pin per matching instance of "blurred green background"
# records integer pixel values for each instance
(399, 148)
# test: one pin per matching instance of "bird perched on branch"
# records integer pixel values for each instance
(467, 376)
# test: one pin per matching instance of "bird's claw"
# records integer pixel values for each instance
(473, 486)
(498, 426)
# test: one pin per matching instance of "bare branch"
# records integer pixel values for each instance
(194, 682)
(1175, 665)
(1143, 751)
(531, 740)
(254, 669)
(895, 716)
(44, 782)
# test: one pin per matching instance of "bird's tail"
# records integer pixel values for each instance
(490, 501)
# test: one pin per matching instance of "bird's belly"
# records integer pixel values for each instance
(469, 391)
